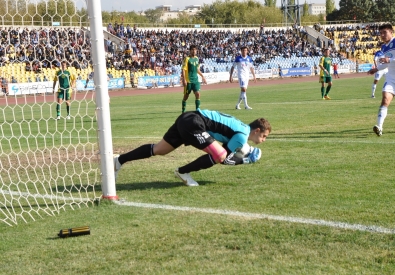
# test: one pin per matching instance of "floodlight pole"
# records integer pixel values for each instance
(102, 100)
(287, 6)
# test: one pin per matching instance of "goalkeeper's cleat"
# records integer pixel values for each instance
(58, 117)
(186, 178)
(237, 107)
(327, 97)
(377, 130)
(117, 166)
(373, 96)
(68, 117)
(248, 108)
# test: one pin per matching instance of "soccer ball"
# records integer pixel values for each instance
(244, 151)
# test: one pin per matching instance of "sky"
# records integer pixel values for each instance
(141, 5)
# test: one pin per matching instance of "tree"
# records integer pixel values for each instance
(153, 15)
(360, 10)
(246, 12)
(185, 19)
(310, 19)
(270, 3)
(305, 9)
(330, 6)
(384, 11)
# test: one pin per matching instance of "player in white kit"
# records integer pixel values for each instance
(379, 74)
(244, 65)
(388, 61)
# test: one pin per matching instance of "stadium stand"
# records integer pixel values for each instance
(31, 54)
(356, 41)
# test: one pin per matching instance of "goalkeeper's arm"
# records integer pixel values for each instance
(232, 159)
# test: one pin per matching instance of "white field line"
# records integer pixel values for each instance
(339, 225)
(43, 196)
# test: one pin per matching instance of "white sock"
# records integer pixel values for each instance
(240, 98)
(245, 98)
(373, 88)
(381, 116)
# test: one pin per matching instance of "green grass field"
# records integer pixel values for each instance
(321, 162)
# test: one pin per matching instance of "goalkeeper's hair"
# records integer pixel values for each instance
(262, 124)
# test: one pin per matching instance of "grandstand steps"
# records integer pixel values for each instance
(108, 36)
(312, 36)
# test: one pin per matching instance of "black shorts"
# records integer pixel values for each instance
(189, 129)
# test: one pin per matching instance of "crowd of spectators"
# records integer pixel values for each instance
(355, 39)
(44, 47)
(159, 50)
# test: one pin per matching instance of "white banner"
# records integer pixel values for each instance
(341, 69)
(266, 73)
(215, 77)
(224, 76)
(30, 88)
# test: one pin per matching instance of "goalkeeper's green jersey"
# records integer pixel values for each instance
(326, 62)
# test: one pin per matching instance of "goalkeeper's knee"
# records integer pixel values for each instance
(217, 152)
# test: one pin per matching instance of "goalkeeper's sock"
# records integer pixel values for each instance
(197, 103)
(68, 109)
(200, 163)
(58, 109)
(184, 104)
(322, 91)
(328, 89)
(142, 152)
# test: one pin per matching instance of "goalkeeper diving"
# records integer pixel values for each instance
(205, 130)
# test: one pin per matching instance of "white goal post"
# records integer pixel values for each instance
(102, 100)
(50, 165)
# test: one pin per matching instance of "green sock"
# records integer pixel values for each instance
(327, 90)
(184, 104)
(68, 109)
(322, 91)
(197, 103)
(58, 109)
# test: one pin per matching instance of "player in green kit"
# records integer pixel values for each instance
(66, 83)
(190, 80)
(325, 74)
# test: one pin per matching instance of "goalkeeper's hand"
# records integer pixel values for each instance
(254, 155)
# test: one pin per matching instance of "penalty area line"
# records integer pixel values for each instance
(334, 224)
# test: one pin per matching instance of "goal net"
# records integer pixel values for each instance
(47, 165)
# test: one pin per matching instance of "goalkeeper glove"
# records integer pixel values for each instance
(254, 155)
